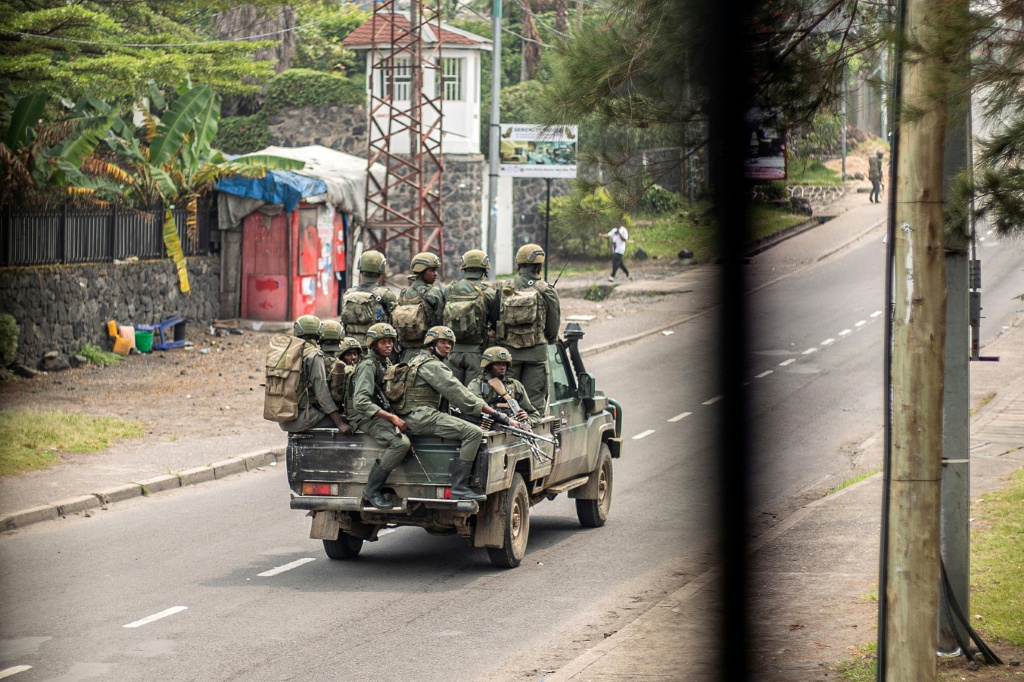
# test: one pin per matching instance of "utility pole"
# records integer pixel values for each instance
(918, 340)
(495, 131)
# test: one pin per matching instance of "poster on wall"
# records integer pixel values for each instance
(766, 147)
(536, 151)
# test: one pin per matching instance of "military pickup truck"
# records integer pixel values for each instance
(327, 472)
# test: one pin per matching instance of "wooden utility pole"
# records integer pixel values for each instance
(918, 345)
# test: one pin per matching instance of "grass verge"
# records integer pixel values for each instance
(97, 356)
(860, 667)
(850, 481)
(34, 440)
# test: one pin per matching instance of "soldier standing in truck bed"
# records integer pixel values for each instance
(529, 315)
(420, 305)
(470, 305)
(367, 303)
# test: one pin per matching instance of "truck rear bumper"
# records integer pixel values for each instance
(355, 504)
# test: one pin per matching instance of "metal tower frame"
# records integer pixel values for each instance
(407, 204)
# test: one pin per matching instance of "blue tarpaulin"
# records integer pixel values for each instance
(276, 187)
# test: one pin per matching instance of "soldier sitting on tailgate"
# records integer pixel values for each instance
(494, 364)
(369, 410)
(368, 303)
(420, 305)
(330, 340)
(470, 305)
(316, 407)
(427, 388)
(349, 352)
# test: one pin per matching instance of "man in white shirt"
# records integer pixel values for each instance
(618, 235)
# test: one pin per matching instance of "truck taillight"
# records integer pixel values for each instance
(444, 493)
(319, 488)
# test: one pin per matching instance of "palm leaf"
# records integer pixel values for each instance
(26, 115)
(206, 127)
(174, 250)
(270, 162)
(77, 150)
(177, 122)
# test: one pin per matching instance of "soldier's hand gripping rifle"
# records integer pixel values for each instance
(498, 386)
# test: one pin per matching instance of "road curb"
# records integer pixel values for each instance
(253, 461)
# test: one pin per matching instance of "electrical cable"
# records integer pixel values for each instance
(951, 601)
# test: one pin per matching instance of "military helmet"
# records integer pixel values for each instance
(373, 262)
(437, 333)
(307, 325)
(495, 354)
(330, 331)
(424, 261)
(348, 343)
(475, 258)
(381, 330)
(529, 254)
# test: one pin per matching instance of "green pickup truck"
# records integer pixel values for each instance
(327, 472)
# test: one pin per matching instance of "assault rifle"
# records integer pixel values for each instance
(498, 386)
(386, 404)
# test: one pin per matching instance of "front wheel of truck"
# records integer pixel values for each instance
(593, 513)
(516, 503)
(345, 547)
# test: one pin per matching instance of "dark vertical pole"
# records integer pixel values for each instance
(8, 231)
(547, 230)
(62, 235)
(112, 241)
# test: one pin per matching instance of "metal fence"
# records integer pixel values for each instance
(68, 235)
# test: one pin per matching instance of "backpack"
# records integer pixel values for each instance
(283, 378)
(337, 380)
(361, 309)
(465, 313)
(409, 317)
(522, 316)
(398, 379)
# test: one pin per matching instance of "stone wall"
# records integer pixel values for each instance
(62, 307)
(465, 180)
(341, 127)
(530, 200)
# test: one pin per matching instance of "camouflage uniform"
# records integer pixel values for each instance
(465, 357)
(479, 387)
(315, 402)
(434, 298)
(363, 403)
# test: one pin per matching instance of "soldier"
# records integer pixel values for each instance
(875, 176)
(368, 410)
(429, 389)
(494, 364)
(330, 340)
(368, 302)
(471, 304)
(349, 352)
(316, 407)
(420, 305)
(529, 316)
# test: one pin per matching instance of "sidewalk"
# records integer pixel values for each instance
(814, 571)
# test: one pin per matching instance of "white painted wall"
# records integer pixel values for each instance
(504, 262)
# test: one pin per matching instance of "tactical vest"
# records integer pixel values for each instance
(361, 309)
(522, 315)
(411, 317)
(465, 311)
(404, 376)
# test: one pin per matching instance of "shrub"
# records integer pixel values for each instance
(97, 356)
(659, 201)
(305, 87)
(243, 134)
(577, 221)
(9, 332)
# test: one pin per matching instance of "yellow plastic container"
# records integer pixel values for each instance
(112, 328)
(122, 345)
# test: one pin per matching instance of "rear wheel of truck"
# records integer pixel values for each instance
(593, 513)
(516, 503)
(345, 547)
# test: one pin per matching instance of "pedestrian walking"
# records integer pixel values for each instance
(619, 236)
(875, 176)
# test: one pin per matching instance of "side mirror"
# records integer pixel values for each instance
(587, 385)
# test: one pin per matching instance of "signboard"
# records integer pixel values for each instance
(766, 150)
(534, 151)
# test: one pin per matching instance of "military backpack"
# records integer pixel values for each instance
(398, 385)
(465, 312)
(284, 380)
(338, 379)
(410, 317)
(361, 309)
(522, 315)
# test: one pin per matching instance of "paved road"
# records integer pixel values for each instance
(242, 594)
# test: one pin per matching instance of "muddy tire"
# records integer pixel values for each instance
(345, 547)
(593, 513)
(516, 503)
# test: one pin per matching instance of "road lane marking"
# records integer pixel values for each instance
(845, 332)
(14, 671)
(860, 323)
(876, 313)
(287, 567)
(681, 415)
(643, 434)
(763, 374)
(386, 531)
(827, 342)
(713, 400)
(810, 350)
(787, 362)
(156, 616)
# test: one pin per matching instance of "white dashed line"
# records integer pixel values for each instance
(683, 415)
(846, 332)
(643, 434)
(156, 616)
(386, 531)
(861, 323)
(14, 671)
(810, 350)
(787, 362)
(286, 567)
(876, 313)
(713, 400)
(827, 342)
(763, 374)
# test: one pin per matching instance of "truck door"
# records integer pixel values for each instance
(565, 404)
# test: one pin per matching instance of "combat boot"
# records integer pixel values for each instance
(460, 479)
(371, 493)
